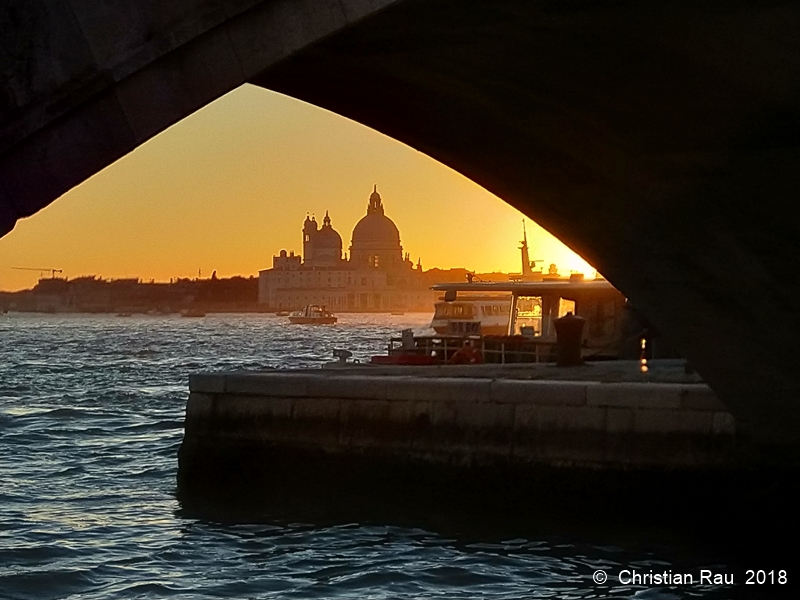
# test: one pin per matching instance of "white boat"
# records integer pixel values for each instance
(476, 315)
(533, 307)
(313, 314)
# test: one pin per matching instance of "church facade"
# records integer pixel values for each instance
(376, 277)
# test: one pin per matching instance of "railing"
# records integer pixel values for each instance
(517, 349)
(494, 349)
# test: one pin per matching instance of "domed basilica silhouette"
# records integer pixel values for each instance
(377, 277)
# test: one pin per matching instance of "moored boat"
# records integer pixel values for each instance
(530, 311)
(534, 307)
(313, 314)
(483, 315)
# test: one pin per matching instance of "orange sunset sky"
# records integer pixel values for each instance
(229, 186)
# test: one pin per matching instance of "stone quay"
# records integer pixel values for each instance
(519, 442)
(600, 417)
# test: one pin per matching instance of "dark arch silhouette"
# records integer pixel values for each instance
(659, 139)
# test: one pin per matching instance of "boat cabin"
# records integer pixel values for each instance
(533, 308)
(527, 334)
(472, 315)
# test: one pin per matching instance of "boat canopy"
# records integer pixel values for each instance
(535, 305)
(530, 288)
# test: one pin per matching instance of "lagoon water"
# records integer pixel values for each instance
(91, 418)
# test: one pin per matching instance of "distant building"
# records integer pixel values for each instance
(91, 294)
(377, 277)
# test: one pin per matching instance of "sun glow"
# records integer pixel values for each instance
(228, 187)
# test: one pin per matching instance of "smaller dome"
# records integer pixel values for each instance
(327, 236)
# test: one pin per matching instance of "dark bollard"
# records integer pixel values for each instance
(569, 337)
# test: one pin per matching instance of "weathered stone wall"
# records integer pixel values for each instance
(459, 421)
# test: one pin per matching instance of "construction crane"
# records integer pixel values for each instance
(41, 271)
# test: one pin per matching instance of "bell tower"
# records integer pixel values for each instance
(309, 232)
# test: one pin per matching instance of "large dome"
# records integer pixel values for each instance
(375, 228)
(376, 239)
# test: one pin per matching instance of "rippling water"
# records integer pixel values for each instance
(91, 416)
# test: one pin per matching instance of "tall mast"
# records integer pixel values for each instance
(526, 260)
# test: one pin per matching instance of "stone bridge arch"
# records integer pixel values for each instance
(659, 139)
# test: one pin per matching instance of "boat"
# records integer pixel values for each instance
(533, 308)
(313, 314)
(192, 312)
(529, 314)
(476, 315)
